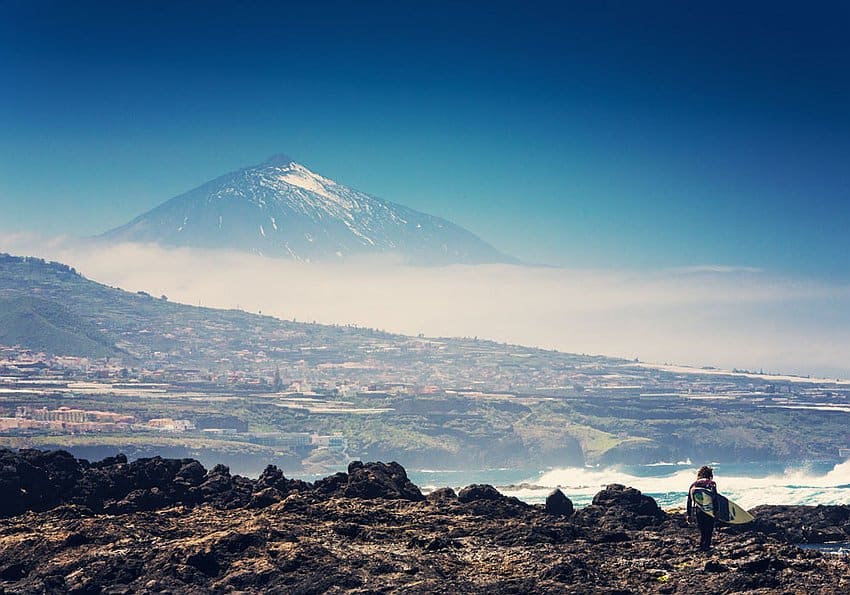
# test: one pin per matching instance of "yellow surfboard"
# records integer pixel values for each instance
(720, 507)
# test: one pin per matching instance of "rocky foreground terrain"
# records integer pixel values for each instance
(171, 526)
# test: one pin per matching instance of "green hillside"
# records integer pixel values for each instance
(45, 325)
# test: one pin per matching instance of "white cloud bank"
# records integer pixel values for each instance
(703, 315)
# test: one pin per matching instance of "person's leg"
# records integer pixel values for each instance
(706, 525)
(709, 531)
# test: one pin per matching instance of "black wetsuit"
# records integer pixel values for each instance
(704, 521)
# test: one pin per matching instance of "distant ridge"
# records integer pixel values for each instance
(281, 208)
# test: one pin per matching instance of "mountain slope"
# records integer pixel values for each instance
(160, 333)
(46, 325)
(280, 208)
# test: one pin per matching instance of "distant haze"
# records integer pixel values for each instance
(707, 315)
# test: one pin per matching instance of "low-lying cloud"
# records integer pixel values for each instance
(701, 315)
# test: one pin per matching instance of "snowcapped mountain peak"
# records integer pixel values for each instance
(278, 160)
(282, 208)
(296, 174)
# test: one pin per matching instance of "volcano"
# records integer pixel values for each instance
(281, 208)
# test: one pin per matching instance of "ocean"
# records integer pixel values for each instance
(748, 484)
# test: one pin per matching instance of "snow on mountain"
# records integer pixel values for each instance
(281, 208)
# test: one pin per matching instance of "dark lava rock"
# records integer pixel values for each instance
(380, 480)
(191, 473)
(714, 566)
(620, 496)
(331, 485)
(567, 571)
(347, 529)
(442, 543)
(477, 491)
(36, 480)
(612, 537)
(619, 508)
(369, 481)
(272, 477)
(15, 572)
(530, 532)
(139, 500)
(221, 489)
(72, 511)
(154, 472)
(206, 562)
(804, 524)
(762, 564)
(119, 459)
(442, 495)
(265, 497)
(33, 480)
(738, 582)
(558, 504)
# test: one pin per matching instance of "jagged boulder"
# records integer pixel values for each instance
(104, 482)
(630, 499)
(11, 496)
(442, 495)
(191, 473)
(331, 485)
(618, 508)
(558, 504)
(153, 472)
(380, 480)
(803, 524)
(119, 459)
(139, 501)
(272, 477)
(265, 497)
(223, 490)
(62, 469)
(217, 482)
(36, 480)
(477, 491)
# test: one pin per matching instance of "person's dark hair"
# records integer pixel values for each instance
(705, 472)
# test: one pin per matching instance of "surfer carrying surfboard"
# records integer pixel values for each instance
(698, 507)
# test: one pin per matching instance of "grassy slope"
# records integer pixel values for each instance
(45, 325)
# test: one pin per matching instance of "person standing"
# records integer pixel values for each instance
(705, 522)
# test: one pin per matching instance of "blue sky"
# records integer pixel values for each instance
(601, 134)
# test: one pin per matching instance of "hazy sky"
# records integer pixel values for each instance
(600, 134)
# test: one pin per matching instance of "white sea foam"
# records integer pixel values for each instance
(794, 486)
(687, 463)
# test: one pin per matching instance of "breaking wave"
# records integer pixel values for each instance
(791, 486)
(685, 463)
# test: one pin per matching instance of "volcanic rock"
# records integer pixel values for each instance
(380, 480)
(476, 491)
(804, 524)
(442, 495)
(558, 504)
(618, 508)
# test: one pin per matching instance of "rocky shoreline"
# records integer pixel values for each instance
(170, 525)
